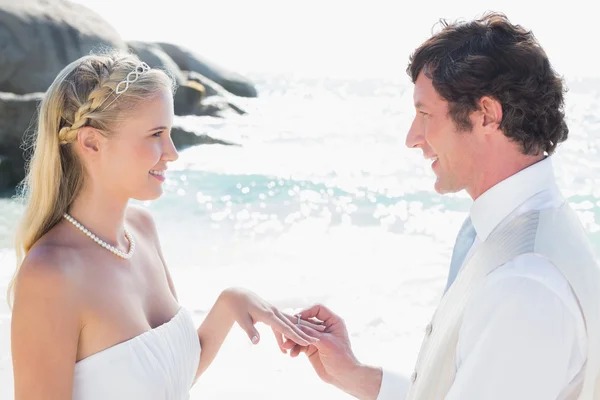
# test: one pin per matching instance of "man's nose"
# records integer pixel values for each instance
(415, 137)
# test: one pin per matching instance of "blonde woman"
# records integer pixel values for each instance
(95, 313)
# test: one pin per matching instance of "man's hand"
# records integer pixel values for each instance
(332, 357)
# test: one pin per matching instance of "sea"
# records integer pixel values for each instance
(320, 201)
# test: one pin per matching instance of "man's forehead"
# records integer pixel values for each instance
(424, 94)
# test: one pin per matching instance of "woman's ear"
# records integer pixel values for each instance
(88, 139)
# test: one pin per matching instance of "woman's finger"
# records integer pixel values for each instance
(247, 324)
(289, 320)
(288, 344)
(293, 333)
(295, 327)
(297, 349)
(311, 332)
(279, 339)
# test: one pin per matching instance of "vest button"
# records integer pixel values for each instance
(413, 377)
(428, 329)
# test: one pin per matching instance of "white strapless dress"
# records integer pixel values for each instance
(159, 364)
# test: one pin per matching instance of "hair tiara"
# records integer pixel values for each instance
(131, 77)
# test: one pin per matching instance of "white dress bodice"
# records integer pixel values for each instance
(159, 364)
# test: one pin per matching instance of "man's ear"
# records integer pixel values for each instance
(89, 139)
(491, 111)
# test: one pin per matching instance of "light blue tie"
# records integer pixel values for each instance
(464, 241)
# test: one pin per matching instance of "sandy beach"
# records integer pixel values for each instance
(385, 316)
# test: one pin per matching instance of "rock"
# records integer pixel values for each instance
(188, 99)
(215, 92)
(17, 113)
(155, 57)
(38, 38)
(210, 87)
(6, 176)
(196, 94)
(190, 61)
(183, 138)
(189, 95)
(191, 99)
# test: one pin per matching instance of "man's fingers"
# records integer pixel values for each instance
(321, 312)
(314, 323)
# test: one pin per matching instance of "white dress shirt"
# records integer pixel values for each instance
(523, 334)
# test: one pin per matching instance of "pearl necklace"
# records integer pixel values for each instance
(101, 242)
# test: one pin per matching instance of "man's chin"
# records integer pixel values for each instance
(442, 187)
(438, 186)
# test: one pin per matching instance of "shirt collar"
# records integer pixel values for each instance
(489, 209)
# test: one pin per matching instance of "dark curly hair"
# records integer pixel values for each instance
(492, 57)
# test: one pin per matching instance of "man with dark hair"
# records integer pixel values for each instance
(520, 317)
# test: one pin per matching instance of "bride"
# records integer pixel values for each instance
(95, 313)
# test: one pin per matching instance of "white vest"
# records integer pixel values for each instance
(556, 234)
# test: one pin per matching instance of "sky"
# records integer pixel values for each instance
(335, 37)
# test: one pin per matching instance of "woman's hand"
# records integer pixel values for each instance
(247, 308)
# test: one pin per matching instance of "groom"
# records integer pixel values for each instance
(520, 318)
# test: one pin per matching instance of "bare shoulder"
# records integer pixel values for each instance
(44, 267)
(141, 219)
(45, 324)
(45, 272)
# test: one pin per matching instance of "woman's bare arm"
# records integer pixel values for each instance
(45, 328)
(233, 305)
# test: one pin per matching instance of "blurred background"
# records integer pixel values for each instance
(293, 178)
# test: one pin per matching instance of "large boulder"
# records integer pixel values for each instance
(188, 97)
(188, 60)
(196, 94)
(38, 38)
(155, 57)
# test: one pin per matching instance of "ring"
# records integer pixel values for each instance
(299, 316)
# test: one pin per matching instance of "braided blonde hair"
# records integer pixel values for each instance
(83, 94)
(67, 134)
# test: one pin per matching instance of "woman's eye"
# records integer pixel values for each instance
(157, 134)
